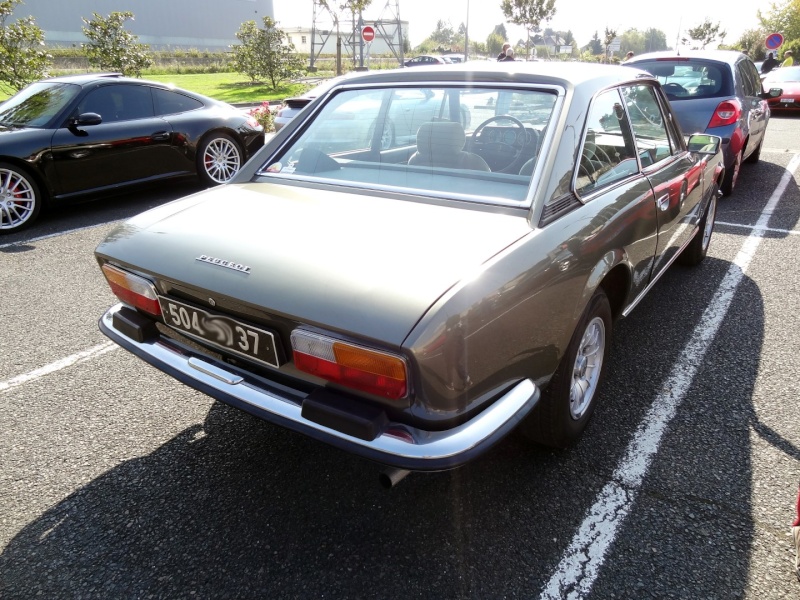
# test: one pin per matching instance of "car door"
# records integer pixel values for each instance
(755, 107)
(130, 144)
(674, 173)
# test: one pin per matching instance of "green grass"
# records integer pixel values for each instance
(230, 87)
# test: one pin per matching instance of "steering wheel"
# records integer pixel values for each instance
(674, 88)
(498, 154)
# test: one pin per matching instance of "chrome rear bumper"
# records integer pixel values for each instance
(398, 445)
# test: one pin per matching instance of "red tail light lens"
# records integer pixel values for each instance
(726, 113)
(356, 367)
(132, 289)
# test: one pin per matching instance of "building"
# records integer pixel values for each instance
(163, 24)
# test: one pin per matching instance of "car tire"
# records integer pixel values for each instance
(756, 155)
(388, 139)
(569, 400)
(20, 198)
(219, 158)
(731, 176)
(697, 249)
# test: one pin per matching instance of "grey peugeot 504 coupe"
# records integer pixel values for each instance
(414, 300)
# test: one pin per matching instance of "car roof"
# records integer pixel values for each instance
(86, 79)
(726, 56)
(564, 74)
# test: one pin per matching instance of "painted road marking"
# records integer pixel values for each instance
(57, 366)
(580, 565)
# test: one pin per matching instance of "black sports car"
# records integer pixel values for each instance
(67, 137)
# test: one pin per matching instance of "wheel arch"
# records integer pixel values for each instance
(40, 180)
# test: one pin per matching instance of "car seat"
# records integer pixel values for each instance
(441, 144)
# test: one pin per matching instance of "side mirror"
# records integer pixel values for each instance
(86, 119)
(702, 143)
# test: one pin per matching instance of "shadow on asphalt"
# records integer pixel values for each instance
(98, 211)
(239, 508)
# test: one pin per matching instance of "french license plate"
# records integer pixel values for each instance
(221, 331)
(787, 100)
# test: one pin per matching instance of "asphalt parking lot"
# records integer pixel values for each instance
(117, 482)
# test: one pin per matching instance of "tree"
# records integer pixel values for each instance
(528, 13)
(266, 53)
(655, 40)
(501, 31)
(783, 17)
(443, 34)
(22, 60)
(112, 48)
(354, 6)
(752, 42)
(595, 46)
(494, 43)
(705, 33)
(610, 34)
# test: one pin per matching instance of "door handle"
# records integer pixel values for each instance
(663, 202)
(160, 136)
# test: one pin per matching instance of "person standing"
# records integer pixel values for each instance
(502, 55)
(768, 64)
(628, 56)
(509, 55)
(788, 61)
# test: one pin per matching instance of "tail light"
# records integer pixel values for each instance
(132, 289)
(726, 113)
(356, 367)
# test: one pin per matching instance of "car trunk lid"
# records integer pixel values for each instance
(367, 265)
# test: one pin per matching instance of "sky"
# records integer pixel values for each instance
(582, 17)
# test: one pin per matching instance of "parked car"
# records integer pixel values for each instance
(786, 79)
(68, 137)
(414, 304)
(425, 60)
(717, 92)
(292, 106)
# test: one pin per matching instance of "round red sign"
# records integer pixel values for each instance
(368, 33)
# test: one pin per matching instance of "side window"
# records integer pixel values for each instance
(607, 153)
(119, 103)
(751, 81)
(170, 103)
(648, 124)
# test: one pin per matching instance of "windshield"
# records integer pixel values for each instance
(37, 104)
(467, 142)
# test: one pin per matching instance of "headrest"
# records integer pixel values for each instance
(440, 137)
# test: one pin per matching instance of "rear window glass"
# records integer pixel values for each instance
(475, 143)
(683, 79)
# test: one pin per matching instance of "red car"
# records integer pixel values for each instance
(788, 79)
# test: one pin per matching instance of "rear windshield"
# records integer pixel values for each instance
(468, 142)
(684, 79)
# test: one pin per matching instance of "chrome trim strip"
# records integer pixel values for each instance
(216, 373)
(427, 445)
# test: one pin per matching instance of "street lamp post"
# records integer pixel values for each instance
(466, 36)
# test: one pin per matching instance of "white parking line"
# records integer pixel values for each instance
(57, 366)
(580, 565)
(753, 227)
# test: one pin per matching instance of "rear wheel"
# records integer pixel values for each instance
(731, 176)
(756, 155)
(20, 199)
(569, 400)
(697, 249)
(219, 159)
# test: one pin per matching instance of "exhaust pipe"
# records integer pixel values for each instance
(391, 477)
